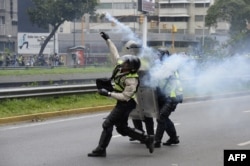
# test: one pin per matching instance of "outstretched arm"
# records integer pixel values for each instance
(113, 50)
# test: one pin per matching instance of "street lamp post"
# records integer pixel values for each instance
(203, 29)
(134, 8)
(74, 33)
(203, 35)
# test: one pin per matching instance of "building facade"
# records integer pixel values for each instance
(187, 16)
(8, 25)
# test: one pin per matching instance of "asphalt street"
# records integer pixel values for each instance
(206, 129)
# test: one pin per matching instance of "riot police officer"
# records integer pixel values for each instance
(169, 94)
(126, 82)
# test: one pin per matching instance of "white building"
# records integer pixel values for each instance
(187, 16)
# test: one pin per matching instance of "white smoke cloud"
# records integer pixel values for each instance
(161, 70)
(128, 34)
(216, 76)
(213, 76)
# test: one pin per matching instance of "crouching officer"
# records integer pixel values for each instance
(126, 82)
(169, 94)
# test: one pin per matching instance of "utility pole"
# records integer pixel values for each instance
(74, 33)
(203, 30)
(9, 37)
(144, 30)
(173, 31)
(83, 30)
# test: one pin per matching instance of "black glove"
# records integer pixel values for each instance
(179, 98)
(104, 92)
(104, 35)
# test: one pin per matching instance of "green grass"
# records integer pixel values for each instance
(15, 107)
(57, 70)
(25, 106)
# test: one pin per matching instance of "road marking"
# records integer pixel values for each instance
(247, 111)
(177, 124)
(244, 143)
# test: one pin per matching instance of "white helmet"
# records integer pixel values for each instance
(132, 44)
(133, 47)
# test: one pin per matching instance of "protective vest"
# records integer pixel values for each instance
(171, 87)
(119, 81)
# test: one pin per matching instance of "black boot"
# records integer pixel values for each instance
(98, 152)
(150, 143)
(171, 141)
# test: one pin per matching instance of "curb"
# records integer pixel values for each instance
(42, 116)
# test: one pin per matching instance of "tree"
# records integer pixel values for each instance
(55, 12)
(237, 14)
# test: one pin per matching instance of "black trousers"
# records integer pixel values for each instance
(118, 117)
(149, 124)
(164, 123)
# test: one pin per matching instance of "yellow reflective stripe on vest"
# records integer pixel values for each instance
(172, 94)
(179, 89)
(120, 88)
(172, 87)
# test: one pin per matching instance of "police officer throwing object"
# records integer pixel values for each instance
(126, 82)
(169, 94)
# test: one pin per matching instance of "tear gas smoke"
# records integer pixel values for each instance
(207, 78)
(162, 70)
(201, 78)
(128, 34)
(216, 77)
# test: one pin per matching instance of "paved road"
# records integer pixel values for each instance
(205, 128)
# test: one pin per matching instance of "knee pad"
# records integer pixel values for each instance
(106, 124)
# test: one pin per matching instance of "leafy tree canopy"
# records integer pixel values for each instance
(55, 12)
(235, 12)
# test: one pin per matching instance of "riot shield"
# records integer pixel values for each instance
(146, 98)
